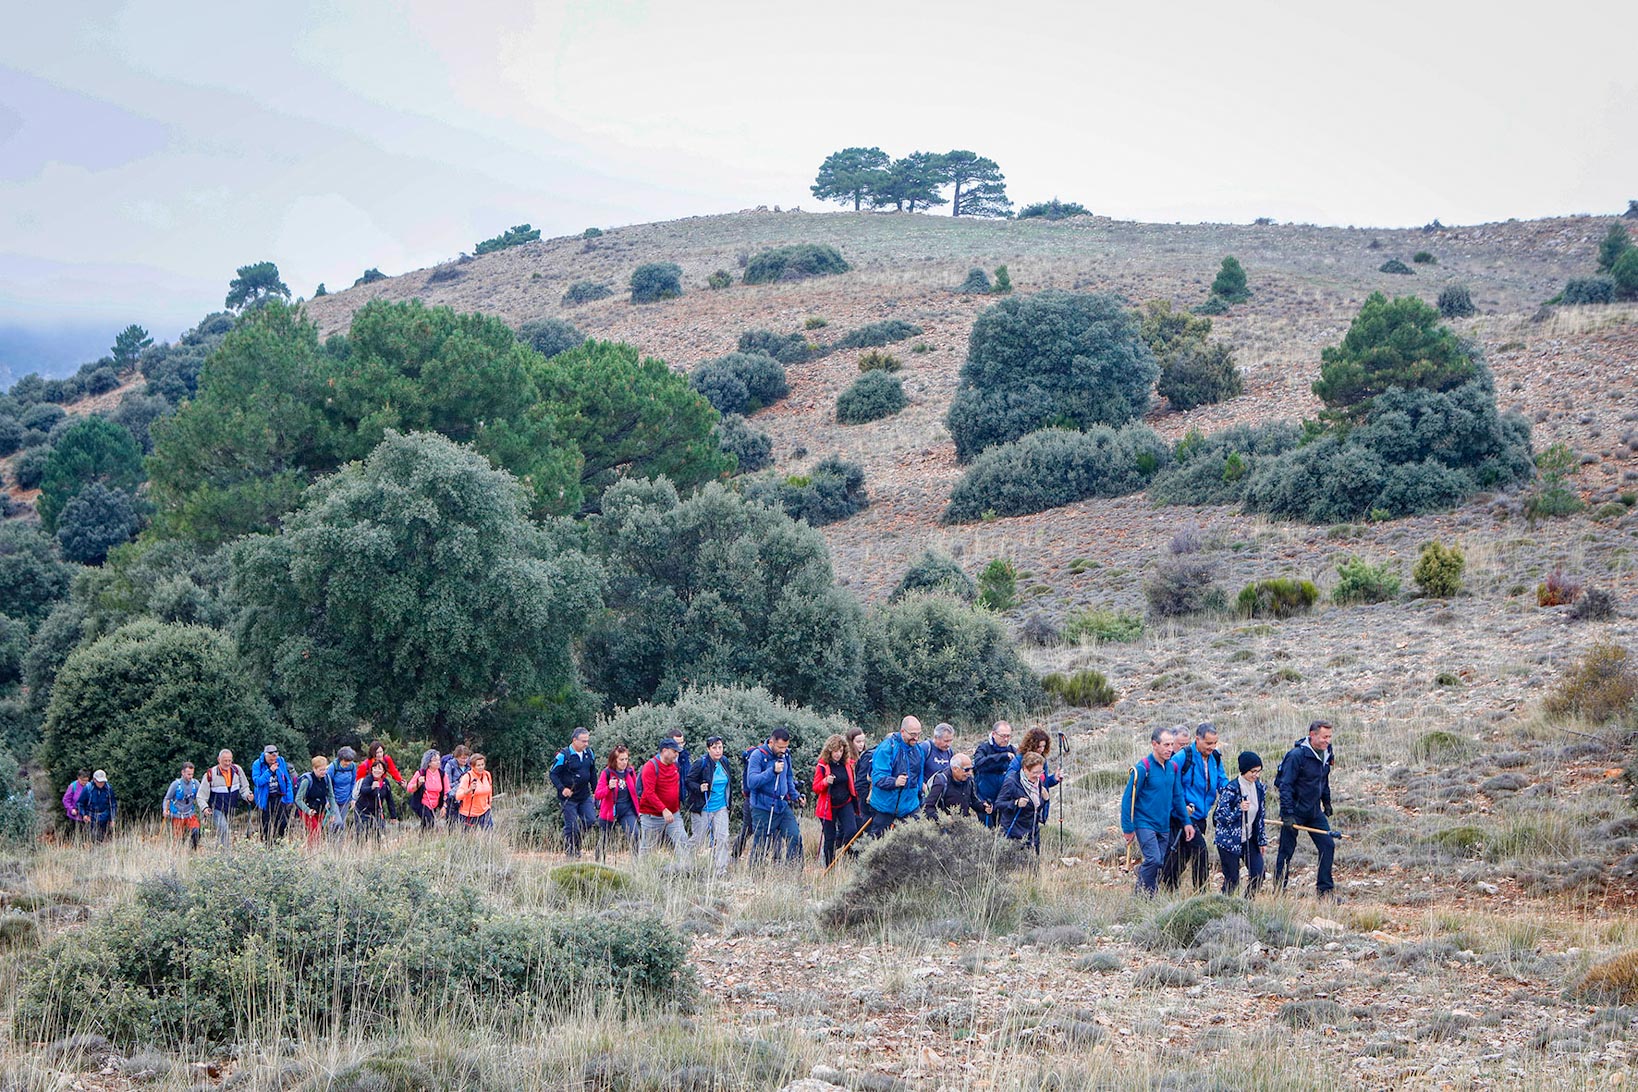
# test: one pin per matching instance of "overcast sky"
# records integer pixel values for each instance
(147, 148)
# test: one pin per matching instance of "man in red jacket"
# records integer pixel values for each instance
(659, 807)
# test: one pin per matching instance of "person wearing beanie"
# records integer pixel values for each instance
(1240, 818)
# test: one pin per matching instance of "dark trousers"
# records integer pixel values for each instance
(99, 828)
(578, 815)
(771, 828)
(1191, 856)
(1323, 843)
(838, 833)
(1231, 870)
(428, 816)
(626, 823)
(275, 819)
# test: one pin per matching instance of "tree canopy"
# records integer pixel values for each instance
(852, 174)
(93, 449)
(254, 285)
(1397, 343)
(129, 344)
(915, 181)
(512, 236)
(980, 188)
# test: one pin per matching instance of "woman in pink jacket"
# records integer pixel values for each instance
(426, 789)
(616, 795)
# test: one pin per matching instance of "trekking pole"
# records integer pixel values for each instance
(845, 848)
(1063, 782)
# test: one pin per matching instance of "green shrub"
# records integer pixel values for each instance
(814, 322)
(1054, 467)
(1199, 373)
(923, 872)
(998, 585)
(1280, 597)
(292, 944)
(370, 276)
(583, 881)
(1424, 257)
(1230, 283)
(94, 522)
(1179, 926)
(1184, 583)
(655, 281)
(511, 237)
(794, 263)
(592, 233)
(32, 577)
(936, 572)
(785, 348)
(877, 361)
(1438, 570)
(1615, 243)
(1084, 689)
(976, 284)
(550, 336)
(753, 449)
(876, 334)
(1003, 281)
(740, 383)
(873, 396)
(932, 655)
(1587, 290)
(1455, 301)
(1103, 625)
(834, 491)
(1603, 686)
(1212, 305)
(742, 716)
(1625, 275)
(586, 292)
(11, 435)
(1200, 468)
(1052, 359)
(719, 280)
(1053, 210)
(1394, 265)
(1361, 582)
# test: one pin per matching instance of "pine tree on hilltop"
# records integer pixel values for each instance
(852, 174)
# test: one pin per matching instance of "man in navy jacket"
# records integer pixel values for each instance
(770, 785)
(574, 771)
(1304, 782)
(991, 760)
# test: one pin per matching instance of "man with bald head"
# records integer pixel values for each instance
(895, 777)
(954, 792)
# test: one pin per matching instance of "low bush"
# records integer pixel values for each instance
(1054, 467)
(936, 572)
(1595, 605)
(1003, 281)
(834, 490)
(304, 948)
(933, 655)
(1558, 590)
(28, 469)
(370, 276)
(1103, 625)
(877, 361)
(976, 284)
(655, 281)
(1625, 275)
(753, 448)
(1394, 265)
(876, 334)
(927, 871)
(1183, 584)
(11, 435)
(719, 280)
(550, 336)
(794, 263)
(1424, 257)
(1602, 687)
(1199, 373)
(583, 881)
(873, 396)
(815, 322)
(1215, 469)
(586, 292)
(511, 237)
(1438, 570)
(1084, 689)
(785, 348)
(1586, 290)
(1053, 210)
(1181, 925)
(1361, 582)
(998, 585)
(1230, 283)
(1611, 982)
(1211, 305)
(1455, 301)
(1279, 597)
(740, 383)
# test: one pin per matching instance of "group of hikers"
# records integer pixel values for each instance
(859, 790)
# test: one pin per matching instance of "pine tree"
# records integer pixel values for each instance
(980, 188)
(852, 174)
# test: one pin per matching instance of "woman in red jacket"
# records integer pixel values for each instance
(616, 796)
(378, 753)
(836, 796)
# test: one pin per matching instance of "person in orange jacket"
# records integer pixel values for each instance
(475, 792)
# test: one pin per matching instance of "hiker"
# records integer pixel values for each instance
(426, 789)
(344, 778)
(377, 752)
(710, 785)
(616, 796)
(685, 766)
(71, 800)
(659, 804)
(939, 749)
(315, 798)
(863, 756)
(573, 772)
(181, 806)
(990, 762)
(455, 766)
(372, 799)
(1200, 776)
(1018, 809)
(770, 778)
(475, 792)
(98, 804)
(1151, 801)
(1036, 741)
(955, 792)
(1239, 820)
(274, 790)
(895, 777)
(223, 788)
(835, 796)
(1304, 784)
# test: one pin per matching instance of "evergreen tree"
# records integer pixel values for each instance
(512, 236)
(128, 345)
(1391, 344)
(1616, 243)
(852, 174)
(254, 285)
(915, 181)
(93, 449)
(980, 188)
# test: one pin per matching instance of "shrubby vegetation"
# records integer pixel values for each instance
(1194, 371)
(976, 284)
(1438, 570)
(1053, 210)
(550, 336)
(740, 383)
(874, 395)
(1455, 301)
(586, 292)
(1054, 359)
(998, 585)
(940, 658)
(1054, 467)
(370, 276)
(32, 578)
(92, 449)
(1229, 286)
(655, 281)
(794, 263)
(1588, 290)
(1602, 686)
(876, 334)
(833, 490)
(511, 237)
(751, 449)
(719, 280)
(1184, 581)
(936, 572)
(1361, 582)
(1103, 625)
(1277, 597)
(1395, 266)
(920, 872)
(1215, 469)
(94, 522)
(1084, 689)
(786, 348)
(877, 361)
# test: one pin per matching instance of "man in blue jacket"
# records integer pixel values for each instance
(895, 777)
(770, 785)
(98, 804)
(1199, 769)
(1152, 801)
(1304, 782)
(574, 771)
(991, 760)
(275, 790)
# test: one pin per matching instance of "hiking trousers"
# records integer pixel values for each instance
(1324, 844)
(1153, 845)
(1231, 870)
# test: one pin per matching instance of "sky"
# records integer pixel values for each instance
(149, 147)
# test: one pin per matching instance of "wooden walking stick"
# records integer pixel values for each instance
(845, 848)
(1318, 830)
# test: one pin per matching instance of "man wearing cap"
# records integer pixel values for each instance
(659, 805)
(954, 792)
(275, 790)
(221, 790)
(574, 770)
(771, 782)
(97, 804)
(710, 788)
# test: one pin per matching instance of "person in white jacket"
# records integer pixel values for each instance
(223, 788)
